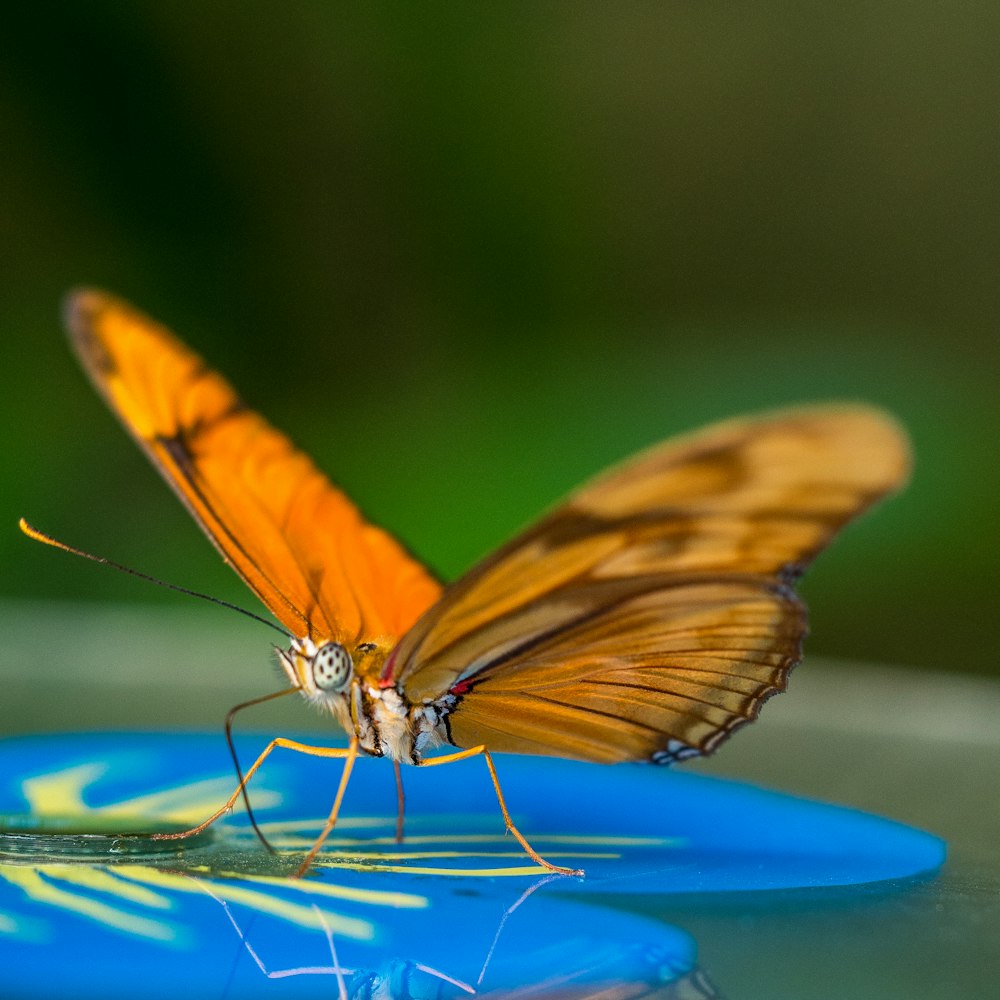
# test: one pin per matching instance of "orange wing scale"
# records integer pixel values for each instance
(300, 544)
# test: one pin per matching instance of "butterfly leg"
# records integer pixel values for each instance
(531, 852)
(349, 759)
(231, 801)
(400, 801)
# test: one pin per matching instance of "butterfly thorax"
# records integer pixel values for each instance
(384, 721)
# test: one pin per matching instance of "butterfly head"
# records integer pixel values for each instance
(346, 683)
(323, 673)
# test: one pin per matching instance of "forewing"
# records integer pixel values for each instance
(300, 544)
(652, 613)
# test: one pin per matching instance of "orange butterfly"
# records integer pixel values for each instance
(645, 619)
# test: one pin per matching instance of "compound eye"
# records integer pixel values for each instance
(331, 667)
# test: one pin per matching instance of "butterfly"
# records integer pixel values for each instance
(646, 618)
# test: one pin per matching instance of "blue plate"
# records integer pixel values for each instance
(454, 910)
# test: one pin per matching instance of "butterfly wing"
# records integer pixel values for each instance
(652, 614)
(299, 543)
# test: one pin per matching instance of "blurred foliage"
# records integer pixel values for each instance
(469, 255)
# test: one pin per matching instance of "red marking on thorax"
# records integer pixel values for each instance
(386, 679)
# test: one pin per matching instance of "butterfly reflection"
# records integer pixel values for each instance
(575, 965)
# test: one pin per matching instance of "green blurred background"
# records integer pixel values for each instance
(469, 255)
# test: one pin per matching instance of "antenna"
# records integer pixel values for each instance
(40, 536)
